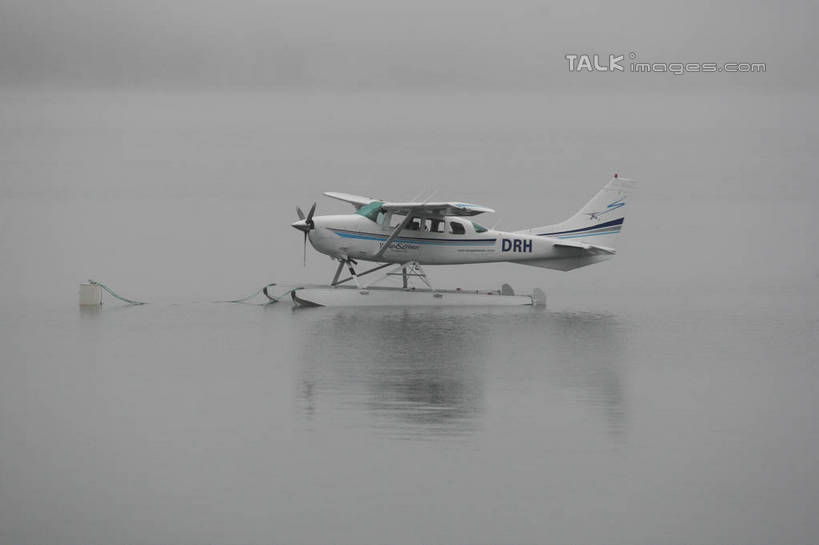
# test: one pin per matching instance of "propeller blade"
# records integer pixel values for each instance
(305, 227)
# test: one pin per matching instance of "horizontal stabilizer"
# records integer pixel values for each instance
(591, 249)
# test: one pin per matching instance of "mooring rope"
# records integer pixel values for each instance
(275, 298)
(263, 289)
(113, 293)
(249, 297)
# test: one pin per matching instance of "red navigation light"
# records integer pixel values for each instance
(615, 175)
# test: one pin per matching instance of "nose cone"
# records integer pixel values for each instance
(301, 225)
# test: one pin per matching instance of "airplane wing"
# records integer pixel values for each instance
(590, 249)
(435, 208)
(355, 200)
(403, 208)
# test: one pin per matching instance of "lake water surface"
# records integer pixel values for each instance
(667, 396)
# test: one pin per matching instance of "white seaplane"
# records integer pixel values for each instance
(404, 236)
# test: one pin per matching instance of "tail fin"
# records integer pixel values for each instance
(597, 223)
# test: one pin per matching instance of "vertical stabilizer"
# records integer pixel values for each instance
(599, 221)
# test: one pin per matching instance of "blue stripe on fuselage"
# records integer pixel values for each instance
(589, 228)
(414, 240)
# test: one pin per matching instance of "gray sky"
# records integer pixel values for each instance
(370, 44)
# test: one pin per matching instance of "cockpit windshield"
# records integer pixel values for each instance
(479, 228)
(370, 211)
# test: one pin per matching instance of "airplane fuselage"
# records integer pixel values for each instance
(459, 241)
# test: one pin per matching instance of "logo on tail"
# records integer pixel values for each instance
(611, 207)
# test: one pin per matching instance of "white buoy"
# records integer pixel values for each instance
(90, 295)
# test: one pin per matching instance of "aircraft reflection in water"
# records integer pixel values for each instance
(429, 372)
(442, 393)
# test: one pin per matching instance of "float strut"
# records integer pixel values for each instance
(368, 271)
(338, 272)
(353, 274)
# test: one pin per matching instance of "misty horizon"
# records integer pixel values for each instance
(371, 45)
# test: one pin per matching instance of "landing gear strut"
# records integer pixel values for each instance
(408, 270)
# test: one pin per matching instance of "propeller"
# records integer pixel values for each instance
(305, 225)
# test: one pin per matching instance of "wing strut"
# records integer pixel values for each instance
(393, 236)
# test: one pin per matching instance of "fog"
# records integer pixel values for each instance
(473, 46)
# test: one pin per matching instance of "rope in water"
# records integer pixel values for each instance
(276, 298)
(249, 297)
(263, 289)
(113, 293)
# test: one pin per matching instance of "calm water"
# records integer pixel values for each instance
(667, 396)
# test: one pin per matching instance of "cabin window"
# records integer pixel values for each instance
(370, 211)
(479, 228)
(415, 224)
(457, 228)
(436, 226)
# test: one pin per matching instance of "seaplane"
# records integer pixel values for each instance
(403, 237)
